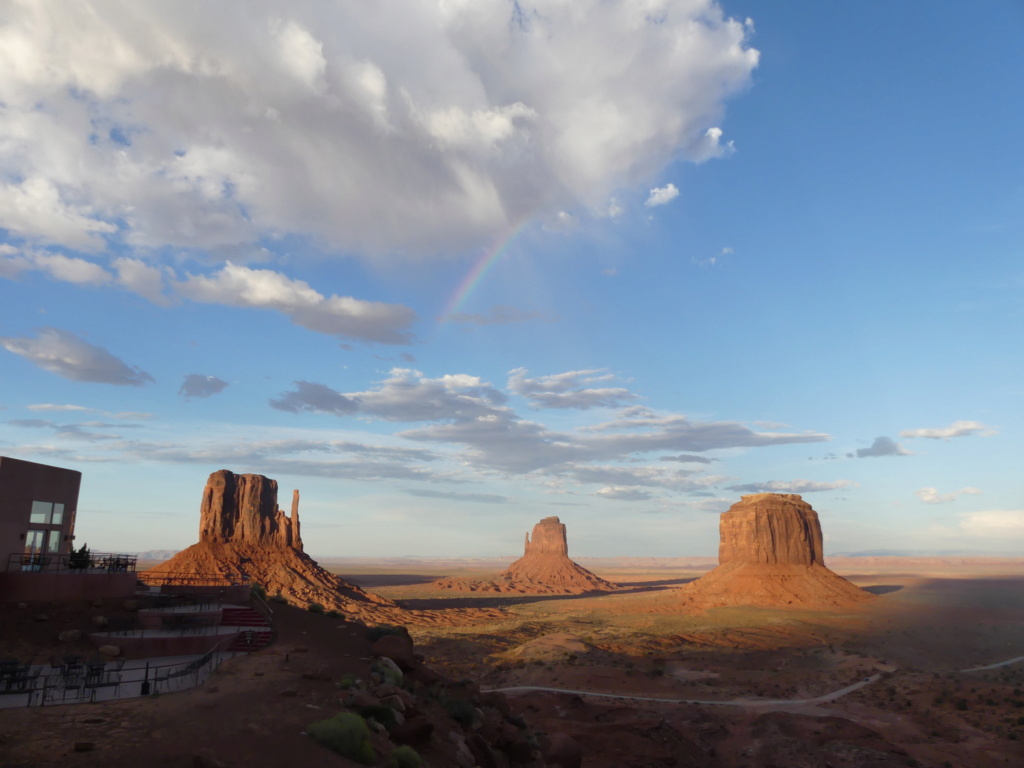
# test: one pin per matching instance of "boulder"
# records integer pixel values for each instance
(398, 648)
(70, 636)
(109, 650)
(563, 751)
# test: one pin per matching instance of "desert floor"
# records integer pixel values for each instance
(931, 618)
(766, 677)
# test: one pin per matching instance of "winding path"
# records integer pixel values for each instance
(725, 703)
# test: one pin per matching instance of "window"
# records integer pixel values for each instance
(47, 513)
(42, 511)
(53, 545)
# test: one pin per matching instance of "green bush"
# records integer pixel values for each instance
(404, 757)
(278, 598)
(259, 590)
(348, 681)
(347, 734)
(315, 608)
(335, 614)
(80, 558)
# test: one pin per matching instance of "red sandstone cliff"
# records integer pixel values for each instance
(770, 554)
(544, 568)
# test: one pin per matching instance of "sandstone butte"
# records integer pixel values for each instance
(770, 555)
(544, 568)
(243, 536)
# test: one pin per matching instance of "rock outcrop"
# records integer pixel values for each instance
(544, 568)
(770, 554)
(243, 536)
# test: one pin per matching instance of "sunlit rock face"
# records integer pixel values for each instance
(243, 536)
(544, 568)
(770, 555)
(770, 528)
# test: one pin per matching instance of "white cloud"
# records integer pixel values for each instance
(932, 495)
(146, 280)
(792, 486)
(68, 407)
(662, 195)
(187, 125)
(620, 493)
(65, 354)
(345, 316)
(883, 446)
(72, 270)
(997, 524)
(197, 385)
(956, 429)
(567, 390)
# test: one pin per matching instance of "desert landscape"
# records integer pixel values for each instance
(769, 658)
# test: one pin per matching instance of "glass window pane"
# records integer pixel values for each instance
(58, 514)
(34, 541)
(54, 543)
(41, 511)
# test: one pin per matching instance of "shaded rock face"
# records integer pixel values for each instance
(544, 568)
(770, 528)
(243, 536)
(770, 555)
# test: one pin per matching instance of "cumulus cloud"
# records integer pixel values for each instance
(500, 315)
(662, 195)
(569, 390)
(65, 354)
(619, 493)
(932, 495)
(197, 385)
(240, 286)
(791, 486)
(219, 126)
(883, 446)
(956, 429)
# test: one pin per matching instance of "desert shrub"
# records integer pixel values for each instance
(379, 631)
(278, 598)
(382, 713)
(315, 608)
(79, 558)
(346, 734)
(961, 704)
(335, 614)
(348, 681)
(460, 710)
(259, 590)
(517, 721)
(404, 757)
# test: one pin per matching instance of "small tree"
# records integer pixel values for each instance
(80, 559)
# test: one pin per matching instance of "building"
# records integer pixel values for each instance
(38, 505)
(37, 511)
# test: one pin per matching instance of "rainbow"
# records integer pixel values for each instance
(476, 273)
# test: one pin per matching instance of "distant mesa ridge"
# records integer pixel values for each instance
(544, 568)
(770, 555)
(244, 536)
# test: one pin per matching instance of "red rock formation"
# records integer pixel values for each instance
(544, 568)
(770, 554)
(244, 536)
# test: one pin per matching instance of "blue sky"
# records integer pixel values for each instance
(619, 263)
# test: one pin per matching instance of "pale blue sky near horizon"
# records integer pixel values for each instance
(708, 272)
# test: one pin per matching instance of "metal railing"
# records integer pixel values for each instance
(71, 562)
(191, 580)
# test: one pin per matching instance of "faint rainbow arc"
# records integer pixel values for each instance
(476, 273)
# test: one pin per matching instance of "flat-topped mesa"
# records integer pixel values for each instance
(548, 539)
(773, 528)
(244, 537)
(243, 508)
(770, 555)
